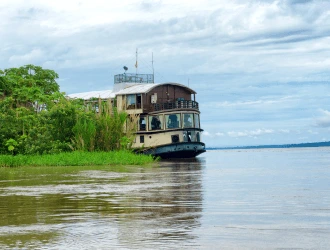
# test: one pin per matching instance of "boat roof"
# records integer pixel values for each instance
(103, 94)
(145, 88)
(134, 89)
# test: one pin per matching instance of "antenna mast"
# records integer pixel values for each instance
(152, 64)
(136, 62)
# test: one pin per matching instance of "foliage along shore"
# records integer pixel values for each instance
(76, 158)
(37, 119)
(297, 145)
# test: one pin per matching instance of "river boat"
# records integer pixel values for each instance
(168, 114)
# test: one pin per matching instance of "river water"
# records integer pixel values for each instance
(224, 199)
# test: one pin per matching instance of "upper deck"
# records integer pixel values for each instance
(145, 98)
(137, 94)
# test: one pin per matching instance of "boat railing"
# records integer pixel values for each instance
(134, 106)
(133, 78)
(174, 105)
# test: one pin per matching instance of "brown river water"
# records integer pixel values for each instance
(224, 199)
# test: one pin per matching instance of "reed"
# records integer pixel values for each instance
(77, 158)
(85, 132)
(102, 128)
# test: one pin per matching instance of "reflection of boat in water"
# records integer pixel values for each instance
(168, 114)
(165, 207)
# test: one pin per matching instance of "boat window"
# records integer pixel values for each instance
(155, 122)
(130, 101)
(188, 120)
(196, 118)
(173, 121)
(142, 123)
(138, 101)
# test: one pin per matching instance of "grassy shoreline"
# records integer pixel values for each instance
(76, 158)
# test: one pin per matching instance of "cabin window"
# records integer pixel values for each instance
(142, 123)
(138, 101)
(155, 122)
(141, 138)
(173, 121)
(130, 101)
(188, 119)
(196, 118)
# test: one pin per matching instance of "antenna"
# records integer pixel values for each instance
(125, 68)
(136, 61)
(152, 64)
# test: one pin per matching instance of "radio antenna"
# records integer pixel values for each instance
(152, 64)
(136, 61)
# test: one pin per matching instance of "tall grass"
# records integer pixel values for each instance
(103, 128)
(110, 127)
(76, 158)
(85, 133)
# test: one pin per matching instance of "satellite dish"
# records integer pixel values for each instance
(125, 68)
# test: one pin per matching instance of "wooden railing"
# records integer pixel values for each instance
(134, 106)
(173, 105)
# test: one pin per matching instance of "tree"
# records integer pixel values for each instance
(2, 84)
(24, 92)
(29, 85)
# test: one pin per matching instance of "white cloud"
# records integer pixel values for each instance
(219, 134)
(205, 133)
(35, 55)
(251, 133)
(260, 102)
(324, 120)
(262, 131)
(312, 132)
(235, 37)
(237, 134)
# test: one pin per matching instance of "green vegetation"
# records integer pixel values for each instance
(37, 119)
(77, 158)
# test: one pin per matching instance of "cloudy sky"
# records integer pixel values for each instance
(261, 68)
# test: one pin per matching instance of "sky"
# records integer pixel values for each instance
(261, 69)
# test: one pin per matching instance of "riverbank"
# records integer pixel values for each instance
(76, 158)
